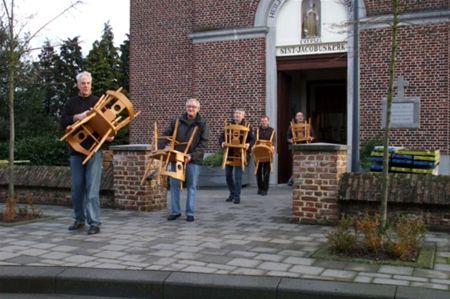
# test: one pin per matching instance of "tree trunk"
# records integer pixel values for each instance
(10, 209)
(390, 95)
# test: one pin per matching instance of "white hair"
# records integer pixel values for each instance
(84, 75)
(193, 100)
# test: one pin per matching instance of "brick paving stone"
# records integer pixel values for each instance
(110, 254)
(32, 252)
(248, 271)
(440, 281)
(410, 278)
(396, 270)
(241, 262)
(431, 273)
(55, 255)
(7, 255)
(238, 253)
(293, 253)
(79, 258)
(299, 261)
(270, 266)
(362, 279)
(391, 281)
(442, 267)
(269, 257)
(376, 275)
(339, 274)
(306, 269)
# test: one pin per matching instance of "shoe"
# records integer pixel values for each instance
(76, 225)
(173, 217)
(259, 192)
(264, 193)
(237, 200)
(230, 198)
(190, 218)
(93, 229)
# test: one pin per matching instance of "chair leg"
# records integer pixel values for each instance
(225, 158)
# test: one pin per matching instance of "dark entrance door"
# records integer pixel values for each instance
(283, 114)
(315, 85)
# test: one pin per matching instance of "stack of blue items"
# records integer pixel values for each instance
(406, 161)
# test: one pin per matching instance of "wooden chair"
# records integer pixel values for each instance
(235, 153)
(112, 112)
(263, 151)
(301, 132)
(169, 155)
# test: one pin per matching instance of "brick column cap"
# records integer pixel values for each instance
(319, 146)
(131, 147)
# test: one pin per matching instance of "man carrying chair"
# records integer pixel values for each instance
(187, 123)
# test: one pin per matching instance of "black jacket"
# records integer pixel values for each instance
(185, 129)
(76, 105)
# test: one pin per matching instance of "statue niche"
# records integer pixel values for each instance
(310, 19)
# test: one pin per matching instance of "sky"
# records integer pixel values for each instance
(85, 20)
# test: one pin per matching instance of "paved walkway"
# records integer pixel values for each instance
(254, 238)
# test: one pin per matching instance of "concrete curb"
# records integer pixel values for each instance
(185, 285)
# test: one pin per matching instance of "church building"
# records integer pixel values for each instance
(326, 58)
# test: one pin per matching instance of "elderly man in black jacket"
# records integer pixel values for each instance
(187, 122)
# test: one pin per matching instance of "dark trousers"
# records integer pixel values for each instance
(263, 176)
(234, 185)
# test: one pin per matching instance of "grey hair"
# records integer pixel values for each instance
(84, 74)
(193, 100)
(239, 110)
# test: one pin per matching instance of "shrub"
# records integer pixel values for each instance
(343, 238)
(214, 160)
(409, 234)
(362, 236)
(39, 150)
(369, 226)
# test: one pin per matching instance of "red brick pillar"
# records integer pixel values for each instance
(128, 168)
(317, 168)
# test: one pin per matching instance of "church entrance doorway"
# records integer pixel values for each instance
(316, 86)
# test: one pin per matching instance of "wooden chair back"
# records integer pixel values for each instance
(301, 132)
(235, 153)
(263, 151)
(169, 155)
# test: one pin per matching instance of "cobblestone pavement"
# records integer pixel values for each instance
(255, 237)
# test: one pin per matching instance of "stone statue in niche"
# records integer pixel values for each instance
(311, 19)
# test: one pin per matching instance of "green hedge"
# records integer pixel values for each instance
(39, 150)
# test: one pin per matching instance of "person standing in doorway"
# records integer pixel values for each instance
(299, 118)
(264, 132)
(186, 124)
(85, 179)
(235, 185)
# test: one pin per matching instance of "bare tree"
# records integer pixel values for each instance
(16, 48)
(390, 95)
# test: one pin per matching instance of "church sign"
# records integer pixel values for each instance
(306, 48)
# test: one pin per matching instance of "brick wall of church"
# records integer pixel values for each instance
(213, 14)
(423, 60)
(167, 68)
(382, 7)
(160, 62)
(228, 75)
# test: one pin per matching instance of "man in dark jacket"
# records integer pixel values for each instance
(187, 122)
(234, 185)
(264, 132)
(85, 179)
